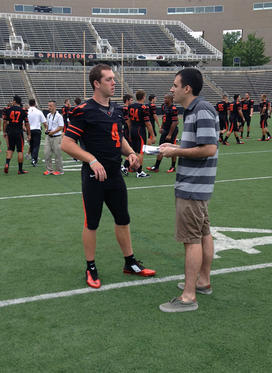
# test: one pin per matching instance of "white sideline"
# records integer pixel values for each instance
(129, 188)
(120, 285)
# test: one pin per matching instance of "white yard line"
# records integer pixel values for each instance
(120, 285)
(129, 188)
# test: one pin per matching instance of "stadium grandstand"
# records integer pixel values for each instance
(43, 50)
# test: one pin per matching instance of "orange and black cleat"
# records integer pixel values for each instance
(6, 168)
(93, 282)
(171, 169)
(153, 169)
(136, 268)
(22, 172)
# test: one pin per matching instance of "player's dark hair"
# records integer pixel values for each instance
(193, 78)
(235, 97)
(66, 100)
(32, 102)
(54, 102)
(17, 99)
(151, 97)
(77, 100)
(225, 96)
(140, 95)
(96, 73)
(126, 98)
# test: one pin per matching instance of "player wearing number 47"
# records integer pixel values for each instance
(98, 123)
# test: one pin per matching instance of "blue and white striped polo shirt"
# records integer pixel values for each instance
(196, 176)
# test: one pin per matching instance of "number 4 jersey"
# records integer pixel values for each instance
(100, 130)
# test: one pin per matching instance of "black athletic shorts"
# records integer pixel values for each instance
(223, 122)
(138, 139)
(233, 125)
(173, 137)
(247, 120)
(263, 121)
(112, 191)
(16, 139)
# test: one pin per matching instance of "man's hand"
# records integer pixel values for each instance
(99, 171)
(133, 161)
(168, 150)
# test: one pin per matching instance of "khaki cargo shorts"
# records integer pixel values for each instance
(192, 220)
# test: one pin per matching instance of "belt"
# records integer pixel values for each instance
(56, 135)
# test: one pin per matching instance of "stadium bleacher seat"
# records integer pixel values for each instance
(55, 36)
(138, 38)
(11, 83)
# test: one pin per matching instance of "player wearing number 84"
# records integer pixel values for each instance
(98, 123)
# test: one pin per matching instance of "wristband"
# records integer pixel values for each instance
(92, 162)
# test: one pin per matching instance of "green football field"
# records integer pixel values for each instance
(51, 322)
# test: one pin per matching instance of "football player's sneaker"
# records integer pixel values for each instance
(22, 172)
(124, 170)
(46, 173)
(240, 142)
(268, 138)
(171, 169)
(137, 268)
(153, 169)
(142, 174)
(226, 143)
(57, 173)
(6, 168)
(92, 279)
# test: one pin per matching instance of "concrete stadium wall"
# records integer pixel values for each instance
(237, 14)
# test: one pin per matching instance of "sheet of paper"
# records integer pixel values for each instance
(149, 149)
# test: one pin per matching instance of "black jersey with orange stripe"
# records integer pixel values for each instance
(100, 130)
(138, 114)
(16, 116)
(247, 105)
(170, 115)
(222, 107)
(264, 107)
(234, 108)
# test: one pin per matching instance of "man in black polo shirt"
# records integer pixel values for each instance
(98, 123)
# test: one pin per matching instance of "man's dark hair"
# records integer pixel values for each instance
(54, 101)
(66, 100)
(224, 96)
(140, 95)
(126, 98)
(32, 102)
(151, 97)
(17, 99)
(193, 78)
(235, 97)
(96, 73)
(77, 100)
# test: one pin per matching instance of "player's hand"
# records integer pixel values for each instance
(161, 130)
(149, 141)
(133, 161)
(28, 138)
(99, 171)
(168, 137)
(167, 144)
(153, 139)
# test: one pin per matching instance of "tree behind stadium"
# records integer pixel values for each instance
(250, 51)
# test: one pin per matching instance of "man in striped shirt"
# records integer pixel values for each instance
(195, 179)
